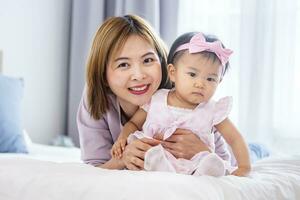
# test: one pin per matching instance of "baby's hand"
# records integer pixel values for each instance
(241, 171)
(118, 147)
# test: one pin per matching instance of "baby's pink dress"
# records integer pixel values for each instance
(165, 119)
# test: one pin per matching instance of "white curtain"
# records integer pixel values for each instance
(264, 78)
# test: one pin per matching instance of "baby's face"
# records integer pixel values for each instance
(196, 77)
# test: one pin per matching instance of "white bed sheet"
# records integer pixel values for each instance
(48, 153)
(29, 179)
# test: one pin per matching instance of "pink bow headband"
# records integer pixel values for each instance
(198, 44)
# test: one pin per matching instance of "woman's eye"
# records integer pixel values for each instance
(122, 65)
(148, 60)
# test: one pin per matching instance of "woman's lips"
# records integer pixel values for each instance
(140, 89)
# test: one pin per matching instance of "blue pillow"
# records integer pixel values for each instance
(11, 136)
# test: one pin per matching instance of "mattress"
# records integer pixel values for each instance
(28, 178)
(48, 153)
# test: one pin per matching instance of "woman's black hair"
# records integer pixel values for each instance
(185, 38)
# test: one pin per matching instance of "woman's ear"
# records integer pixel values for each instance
(171, 72)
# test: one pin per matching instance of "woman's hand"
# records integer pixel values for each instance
(183, 144)
(134, 153)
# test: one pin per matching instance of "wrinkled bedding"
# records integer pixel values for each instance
(276, 178)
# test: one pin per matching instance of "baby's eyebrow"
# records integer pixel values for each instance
(213, 74)
(193, 68)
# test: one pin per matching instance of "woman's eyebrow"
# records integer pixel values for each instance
(121, 58)
(126, 58)
(147, 54)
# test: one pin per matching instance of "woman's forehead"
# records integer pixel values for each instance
(133, 46)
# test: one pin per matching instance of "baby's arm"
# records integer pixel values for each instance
(134, 124)
(238, 145)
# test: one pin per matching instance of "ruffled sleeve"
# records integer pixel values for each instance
(159, 96)
(222, 109)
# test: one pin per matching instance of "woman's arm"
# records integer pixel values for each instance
(96, 138)
(183, 144)
(96, 142)
(113, 163)
(238, 145)
(134, 154)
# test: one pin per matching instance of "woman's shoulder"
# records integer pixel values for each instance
(112, 98)
(112, 103)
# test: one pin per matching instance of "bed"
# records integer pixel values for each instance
(47, 153)
(57, 173)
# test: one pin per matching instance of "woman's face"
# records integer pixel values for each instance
(134, 72)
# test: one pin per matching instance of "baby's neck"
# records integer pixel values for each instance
(175, 101)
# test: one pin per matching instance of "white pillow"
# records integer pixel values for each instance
(28, 140)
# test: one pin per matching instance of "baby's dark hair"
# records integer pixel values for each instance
(185, 38)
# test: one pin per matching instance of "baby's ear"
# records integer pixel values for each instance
(171, 72)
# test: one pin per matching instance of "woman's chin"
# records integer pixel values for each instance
(141, 99)
(141, 102)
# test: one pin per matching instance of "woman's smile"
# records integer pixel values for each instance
(140, 89)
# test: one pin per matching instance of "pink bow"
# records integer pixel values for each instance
(198, 44)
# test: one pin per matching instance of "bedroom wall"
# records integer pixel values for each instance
(34, 40)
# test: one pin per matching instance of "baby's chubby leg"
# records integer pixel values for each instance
(211, 165)
(156, 160)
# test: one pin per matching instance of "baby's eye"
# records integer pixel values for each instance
(191, 74)
(122, 65)
(211, 79)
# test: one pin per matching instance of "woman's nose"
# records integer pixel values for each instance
(137, 73)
